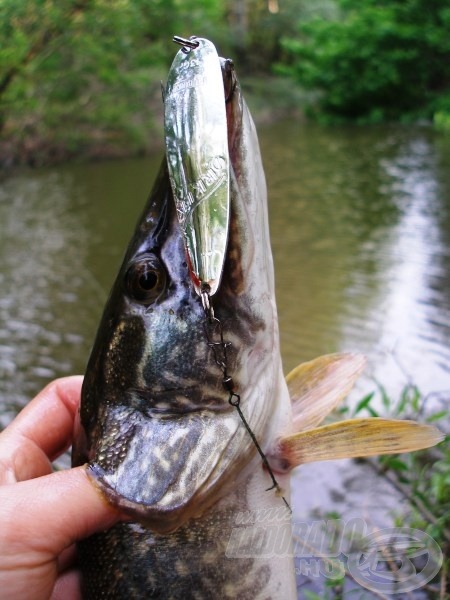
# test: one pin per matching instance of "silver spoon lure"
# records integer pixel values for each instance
(196, 139)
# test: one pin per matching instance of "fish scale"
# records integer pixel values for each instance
(187, 512)
(156, 427)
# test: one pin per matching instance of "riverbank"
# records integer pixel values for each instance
(78, 136)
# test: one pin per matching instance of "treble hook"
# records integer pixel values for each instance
(188, 45)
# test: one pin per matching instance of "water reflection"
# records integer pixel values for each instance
(62, 233)
(360, 221)
(361, 242)
(414, 316)
(41, 245)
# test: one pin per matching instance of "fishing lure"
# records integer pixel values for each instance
(198, 162)
(197, 156)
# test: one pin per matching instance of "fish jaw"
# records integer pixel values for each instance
(239, 548)
(155, 424)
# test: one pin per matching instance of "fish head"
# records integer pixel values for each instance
(156, 426)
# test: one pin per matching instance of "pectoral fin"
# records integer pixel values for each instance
(350, 439)
(318, 386)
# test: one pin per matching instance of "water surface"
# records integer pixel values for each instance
(360, 222)
(361, 235)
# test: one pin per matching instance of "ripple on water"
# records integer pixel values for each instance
(360, 222)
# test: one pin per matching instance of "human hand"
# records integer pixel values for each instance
(43, 513)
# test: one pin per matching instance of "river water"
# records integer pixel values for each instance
(360, 222)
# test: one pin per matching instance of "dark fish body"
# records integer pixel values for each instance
(162, 440)
(156, 427)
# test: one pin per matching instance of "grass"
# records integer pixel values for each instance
(421, 478)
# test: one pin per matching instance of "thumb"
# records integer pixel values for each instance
(43, 516)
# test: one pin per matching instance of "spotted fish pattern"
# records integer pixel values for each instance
(155, 425)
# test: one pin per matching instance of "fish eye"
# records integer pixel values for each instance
(145, 280)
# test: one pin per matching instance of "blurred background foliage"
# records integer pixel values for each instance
(82, 77)
(375, 60)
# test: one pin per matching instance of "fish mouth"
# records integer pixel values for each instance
(167, 452)
(176, 402)
(161, 464)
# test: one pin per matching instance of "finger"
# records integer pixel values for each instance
(67, 559)
(44, 516)
(47, 421)
(41, 431)
(68, 582)
(67, 586)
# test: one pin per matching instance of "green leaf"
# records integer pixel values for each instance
(364, 403)
(311, 595)
(384, 397)
(438, 416)
(394, 463)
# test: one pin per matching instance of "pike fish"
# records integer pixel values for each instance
(162, 440)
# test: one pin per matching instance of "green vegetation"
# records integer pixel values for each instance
(82, 77)
(421, 478)
(375, 60)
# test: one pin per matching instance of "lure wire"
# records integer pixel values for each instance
(214, 329)
(186, 44)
